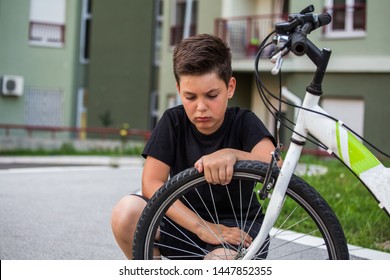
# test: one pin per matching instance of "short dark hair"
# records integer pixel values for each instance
(201, 54)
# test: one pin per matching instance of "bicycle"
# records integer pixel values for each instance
(277, 189)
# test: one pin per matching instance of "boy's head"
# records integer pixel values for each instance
(203, 72)
(202, 54)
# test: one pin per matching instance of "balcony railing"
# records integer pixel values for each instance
(46, 34)
(101, 132)
(244, 34)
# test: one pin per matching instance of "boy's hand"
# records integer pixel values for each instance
(217, 234)
(218, 166)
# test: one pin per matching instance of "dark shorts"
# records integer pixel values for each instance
(176, 241)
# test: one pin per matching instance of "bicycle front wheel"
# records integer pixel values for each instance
(306, 228)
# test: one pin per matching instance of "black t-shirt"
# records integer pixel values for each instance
(176, 142)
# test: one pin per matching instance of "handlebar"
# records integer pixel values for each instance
(299, 26)
(292, 36)
(303, 18)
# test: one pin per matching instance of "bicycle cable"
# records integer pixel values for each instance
(262, 90)
(276, 112)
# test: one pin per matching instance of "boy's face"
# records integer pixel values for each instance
(205, 100)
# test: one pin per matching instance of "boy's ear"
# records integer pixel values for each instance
(231, 87)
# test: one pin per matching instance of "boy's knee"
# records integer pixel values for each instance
(117, 214)
(126, 213)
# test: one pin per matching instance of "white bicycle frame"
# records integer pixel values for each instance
(340, 141)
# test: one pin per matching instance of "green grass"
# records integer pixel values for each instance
(364, 223)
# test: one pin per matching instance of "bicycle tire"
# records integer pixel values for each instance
(331, 243)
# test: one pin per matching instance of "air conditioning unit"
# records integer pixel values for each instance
(12, 85)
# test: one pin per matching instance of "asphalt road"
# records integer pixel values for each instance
(61, 212)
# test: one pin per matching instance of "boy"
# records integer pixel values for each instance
(202, 132)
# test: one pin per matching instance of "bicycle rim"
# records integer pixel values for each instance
(306, 229)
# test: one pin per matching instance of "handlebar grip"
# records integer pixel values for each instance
(298, 43)
(298, 38)
(324, 19)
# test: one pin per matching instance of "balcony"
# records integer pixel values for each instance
(244, 34)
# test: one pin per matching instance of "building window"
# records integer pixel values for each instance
(47, 23)
(348, 18)
(85, 31)
(44, 107)
(179, 17)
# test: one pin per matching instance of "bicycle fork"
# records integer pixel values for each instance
(277, 199)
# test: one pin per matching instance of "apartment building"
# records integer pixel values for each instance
(77, 63)
(39, 62)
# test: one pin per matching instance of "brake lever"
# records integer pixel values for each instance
(282, 43)
(278, 61)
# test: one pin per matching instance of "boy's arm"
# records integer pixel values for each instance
(218, 166)
(154, 175)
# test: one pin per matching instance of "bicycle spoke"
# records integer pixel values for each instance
(215, 209)
(190, 240)
(204, 225)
